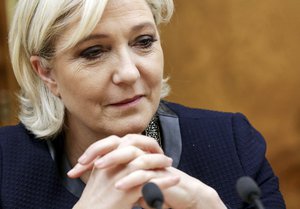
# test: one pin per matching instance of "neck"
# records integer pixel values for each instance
(76, 142)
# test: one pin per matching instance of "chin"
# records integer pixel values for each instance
(134, 121)
(134, 126)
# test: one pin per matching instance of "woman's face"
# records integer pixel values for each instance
(110, 82)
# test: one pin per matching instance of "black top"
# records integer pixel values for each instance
(217, 148)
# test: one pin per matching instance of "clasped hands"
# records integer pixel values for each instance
(120, 166)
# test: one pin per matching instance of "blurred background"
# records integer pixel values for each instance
(233, 55)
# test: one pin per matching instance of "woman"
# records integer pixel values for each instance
(93, 126)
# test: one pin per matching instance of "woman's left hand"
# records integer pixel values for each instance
(190, 193)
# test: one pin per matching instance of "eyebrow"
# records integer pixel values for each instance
(133, 29)
(142, 26)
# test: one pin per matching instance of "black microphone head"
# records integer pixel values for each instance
(152, 194)
(247, 189)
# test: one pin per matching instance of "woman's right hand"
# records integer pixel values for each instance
(120, 167)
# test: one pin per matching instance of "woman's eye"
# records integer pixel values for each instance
(93, 52)
(145, 41)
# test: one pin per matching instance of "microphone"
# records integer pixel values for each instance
(153, 195)
(249, 191)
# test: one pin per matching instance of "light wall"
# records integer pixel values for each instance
(242, 56)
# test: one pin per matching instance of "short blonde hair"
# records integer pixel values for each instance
(35, 28)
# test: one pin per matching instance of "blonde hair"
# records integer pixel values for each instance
(36, 26)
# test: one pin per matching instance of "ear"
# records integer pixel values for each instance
(45, 74)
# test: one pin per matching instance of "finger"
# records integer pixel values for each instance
(145, 143)
(118, 156)
(150, 161)
(99, 148)
(141, 177)
(79, 169)
(166, 182)
(108, 144)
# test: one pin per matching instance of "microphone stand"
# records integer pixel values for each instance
(257, 203)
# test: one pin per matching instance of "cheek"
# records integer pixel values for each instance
(154, 66)
(82, 85)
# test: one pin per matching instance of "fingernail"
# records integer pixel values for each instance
(82, 159)
(74, 170)
(70, 172)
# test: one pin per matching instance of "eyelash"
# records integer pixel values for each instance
(93, 52)
(143, 42)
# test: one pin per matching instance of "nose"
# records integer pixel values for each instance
(126, 70)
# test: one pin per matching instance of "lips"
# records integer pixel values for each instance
(127, 101)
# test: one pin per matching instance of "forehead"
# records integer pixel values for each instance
(126, 10)
(118, 16)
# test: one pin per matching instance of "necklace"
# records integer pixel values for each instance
(153, 130)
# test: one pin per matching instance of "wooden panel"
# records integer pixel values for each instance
(3, 46)
(8, 85)
(240, 55)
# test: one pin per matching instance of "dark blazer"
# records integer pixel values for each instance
(217, 149)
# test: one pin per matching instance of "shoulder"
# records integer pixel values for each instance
(13, 132)
(197, 113)
(16, 138)
(223, 128)
(236, 124)
(184, 111)
(15, 129)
